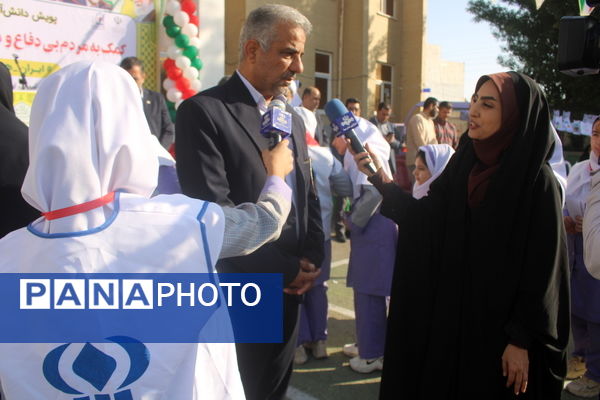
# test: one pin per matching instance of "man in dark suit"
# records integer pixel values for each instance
(155, 107)
(218, 159)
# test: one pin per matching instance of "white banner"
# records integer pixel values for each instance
(48, 35)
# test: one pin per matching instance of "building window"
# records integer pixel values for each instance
(323, 76)
(387, 7)
(383, 88)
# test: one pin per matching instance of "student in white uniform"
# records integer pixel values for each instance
(91, 174)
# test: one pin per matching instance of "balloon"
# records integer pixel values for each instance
(174, 73)
(188, 93)
(181, 18)
(172, 112)
(173, 31)
(188, 6)
(194, 20)
(168, 84)
(196, 85)
(182, 84)
(191, 73)
(168, 21)
(182, 62)
(170, 105)
(174, 95)
(190, 52)
(197, 63)
(178, 103)
(173, 7)
(195, 41)
(168, 63)
(182, 40)
(174, 52)
(190, 30)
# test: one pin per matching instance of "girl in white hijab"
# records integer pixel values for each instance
(93, 167)
(429, 164)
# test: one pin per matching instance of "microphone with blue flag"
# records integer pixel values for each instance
(276, 123)
(344, 123)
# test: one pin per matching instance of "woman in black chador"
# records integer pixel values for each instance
(480, 299)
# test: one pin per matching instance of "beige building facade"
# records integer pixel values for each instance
(445, 79)
(372, 50)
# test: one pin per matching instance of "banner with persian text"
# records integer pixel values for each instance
(46, 35)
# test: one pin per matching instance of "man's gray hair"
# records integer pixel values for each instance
(261, 22)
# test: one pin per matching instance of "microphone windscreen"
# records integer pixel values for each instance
(276, 103)
(335, 109)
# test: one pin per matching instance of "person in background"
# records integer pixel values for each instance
(372, 253)
(311, 98)
(429, 164)
(445, 131)
(480, 309)
(382, 121)
(330, 178)
(14, 159)
(585, 290)
(420, 131)
(155, 107)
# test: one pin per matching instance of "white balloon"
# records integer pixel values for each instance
(173, 7)
(196, 85)
(174, 95)
(190, 29)
(178, 103)
(174, 52)
(168, 84)
(195, 41)
(181, 18)
(190, 73)
(182, 62)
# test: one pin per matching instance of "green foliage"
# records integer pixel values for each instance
(530, 45)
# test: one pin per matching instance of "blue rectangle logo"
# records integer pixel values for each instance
(153, 308)
(344, 123)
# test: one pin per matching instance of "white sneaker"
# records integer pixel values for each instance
(300, 357)
(366, 366)
(319, 349)
(584, 387)
(350, 350)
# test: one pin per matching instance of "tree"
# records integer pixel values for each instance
(530, 39)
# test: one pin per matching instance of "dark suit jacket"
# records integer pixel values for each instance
(158, 117)
(218, 159)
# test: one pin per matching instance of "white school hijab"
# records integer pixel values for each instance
(88, 136)
(436, 157)
(578, 185)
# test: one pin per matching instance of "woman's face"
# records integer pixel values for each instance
(595, 141)
(485, 112)
(421, 171)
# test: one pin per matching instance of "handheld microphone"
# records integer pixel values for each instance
(276, 123)
(343, 123)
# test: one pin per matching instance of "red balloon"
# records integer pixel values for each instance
(174, 73)
(169, 63)
(188, 93)
(182, 84)
(188, 6)
(194, 20)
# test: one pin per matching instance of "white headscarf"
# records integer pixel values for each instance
(88, 136)
(578, 185)
(436, 157)
(367, 133)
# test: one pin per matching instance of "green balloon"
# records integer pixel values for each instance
(172, 114)
(168, 21)
(173, 31)
(170, 105)
(197, 63)
(182, 41)
(190, 52)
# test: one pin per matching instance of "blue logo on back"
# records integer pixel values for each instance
(97, 367)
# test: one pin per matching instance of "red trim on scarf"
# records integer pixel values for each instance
(79, 208)
(310, 141)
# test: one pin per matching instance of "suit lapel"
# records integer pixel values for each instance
(243, 109)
